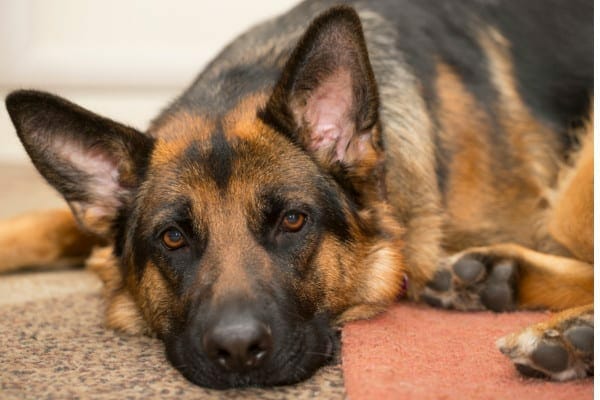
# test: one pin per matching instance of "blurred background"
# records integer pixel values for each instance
(122, 59)
(125, 60)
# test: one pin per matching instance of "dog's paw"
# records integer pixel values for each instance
(473, 282)
(561, 352)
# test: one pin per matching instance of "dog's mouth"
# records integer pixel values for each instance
(290, 354)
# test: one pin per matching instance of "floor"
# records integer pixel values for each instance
(24, 190)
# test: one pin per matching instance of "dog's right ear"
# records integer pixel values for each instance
(95, 163)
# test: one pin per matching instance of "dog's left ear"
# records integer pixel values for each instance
(326, 99)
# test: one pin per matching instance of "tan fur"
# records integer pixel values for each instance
(480, 209)
(121, 312)
(531, 140)
(179, 125)
(48, 239)
(242, 121)
(470, 171)
(154, 298)
(571, 219)
(233, 279)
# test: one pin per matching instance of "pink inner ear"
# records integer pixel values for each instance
(328, 113)
(102, 186)
(103, 172)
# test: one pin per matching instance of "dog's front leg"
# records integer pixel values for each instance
(44, 240)
(561, 348)
(505, 277)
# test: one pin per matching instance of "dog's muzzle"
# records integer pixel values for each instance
(243, 344)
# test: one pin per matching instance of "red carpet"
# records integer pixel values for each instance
(416, 352)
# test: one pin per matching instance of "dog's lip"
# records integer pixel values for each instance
(329, 347)
(334, 343)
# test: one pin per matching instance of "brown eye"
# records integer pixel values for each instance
(173, 239)
(293, 221)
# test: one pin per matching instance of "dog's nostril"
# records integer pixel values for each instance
(223, 357)
(238, 346)
(257, 353)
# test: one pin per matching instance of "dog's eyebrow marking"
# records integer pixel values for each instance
(192, 154)
(220, 158)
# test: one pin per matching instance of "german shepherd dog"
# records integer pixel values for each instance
(315, 172)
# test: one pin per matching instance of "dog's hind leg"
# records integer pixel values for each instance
(43, 240)
(571, 221)
(508, 276)
(563, 348)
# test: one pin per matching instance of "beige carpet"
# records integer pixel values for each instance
(53, 344)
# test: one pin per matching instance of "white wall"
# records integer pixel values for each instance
(122, 59)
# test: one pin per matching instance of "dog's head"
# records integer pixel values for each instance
(242, 239)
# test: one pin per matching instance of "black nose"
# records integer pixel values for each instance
(238, 342)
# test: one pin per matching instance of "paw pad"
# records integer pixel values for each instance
(497, 297)
(441, 281)
(551, 357)
(529, 372)
(473, 283)
(581, 338)
(468, 269)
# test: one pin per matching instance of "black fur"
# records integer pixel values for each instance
(219, 160)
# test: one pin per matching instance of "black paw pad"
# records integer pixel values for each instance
(529, 372)
(504, 271)
(497, 297)
(551, 357)
(582, 338)
(441, 281)
(468, 269)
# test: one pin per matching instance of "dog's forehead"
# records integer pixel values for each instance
(197, 121)
(236, 153)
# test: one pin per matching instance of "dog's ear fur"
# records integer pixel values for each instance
(326, 99)
(93, 162)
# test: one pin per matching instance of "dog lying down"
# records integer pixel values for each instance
(325, 164)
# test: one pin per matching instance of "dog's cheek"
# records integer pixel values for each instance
(121, 313)
(337, 275)
(366, 284)
(156, 300)
(362, 276)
